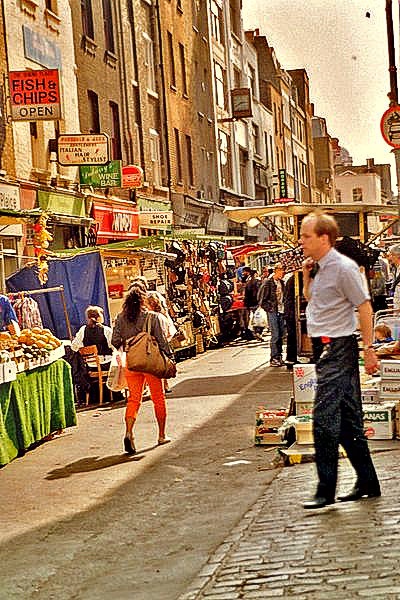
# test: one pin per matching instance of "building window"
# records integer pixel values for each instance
(115, 132)
(220, 85)
(271, 152)
(52, 6)
(178, 157)
(338, 195)
(94, 115)
(234, 13)
(155, 156)
(137, 150)
(216, 22)
(236, 77)
(189, 156)
(243, 162)
(266, 149)
(39, 156)
(183, 69)
(179, 5)
(108, 26)
(252, 80)
(172, 74)
(357, 195)
(225, 158)
(149, 62)
(256, 139)
(87, 18)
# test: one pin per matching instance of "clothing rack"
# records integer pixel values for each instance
(58, 288)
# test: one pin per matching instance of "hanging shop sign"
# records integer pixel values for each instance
(10, 200)
(41, 49)
(62, 204)
(156, 219)
(99, 176)
(132, 176)
(83, 149)
(115, 222)
(282, 183)
(35, 95)
(390, 126)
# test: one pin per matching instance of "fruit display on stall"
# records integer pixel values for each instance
(35, 343)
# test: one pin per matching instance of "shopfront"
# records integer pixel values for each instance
(155, 216)
(116, 220)
(10, 235)
(68, 219)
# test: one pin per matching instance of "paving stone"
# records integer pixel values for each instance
(376, 592)
(350, 551)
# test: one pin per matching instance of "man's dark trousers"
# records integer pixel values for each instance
(338, 417)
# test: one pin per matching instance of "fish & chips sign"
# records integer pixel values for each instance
(35, 95)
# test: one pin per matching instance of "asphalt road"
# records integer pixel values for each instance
(81, 520)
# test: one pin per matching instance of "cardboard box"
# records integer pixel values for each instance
(304, 382)
(379, 421)
(397, 421)
(304, 433)
(304, 408)
(390, 388)
(9, 371)
(268, 423)
(370, 396)
(390, 369)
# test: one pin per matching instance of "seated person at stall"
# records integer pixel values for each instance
(8, 318)
(95, 333)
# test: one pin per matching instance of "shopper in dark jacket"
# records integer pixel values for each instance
(251, 297)
(270, 298)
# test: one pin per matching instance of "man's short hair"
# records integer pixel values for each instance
(324, 225)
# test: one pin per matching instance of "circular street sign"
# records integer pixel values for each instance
(390, 126)
(132, 176)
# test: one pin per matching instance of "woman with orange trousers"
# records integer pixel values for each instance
(129, 322)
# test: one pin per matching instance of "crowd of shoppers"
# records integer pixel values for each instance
(334, 288)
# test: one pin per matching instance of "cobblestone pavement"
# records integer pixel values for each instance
(279, 550)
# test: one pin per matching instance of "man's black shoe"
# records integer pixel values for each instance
(318, 502)
(358, 493)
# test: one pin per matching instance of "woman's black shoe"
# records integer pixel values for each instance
(129, 447)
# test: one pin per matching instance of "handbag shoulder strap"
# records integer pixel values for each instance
(147, 323)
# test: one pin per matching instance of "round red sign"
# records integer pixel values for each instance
(132, 176)
(390, 126)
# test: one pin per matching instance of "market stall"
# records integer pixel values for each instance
(360, 226)
(36, 403)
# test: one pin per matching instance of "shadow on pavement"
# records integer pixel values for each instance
(91, 463)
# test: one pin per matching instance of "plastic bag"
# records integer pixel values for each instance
(116, 381)
(260, 318)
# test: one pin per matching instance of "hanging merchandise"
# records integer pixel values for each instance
(41, 241)
(27, 311)
(291, 259)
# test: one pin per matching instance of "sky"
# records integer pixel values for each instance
(345, 54)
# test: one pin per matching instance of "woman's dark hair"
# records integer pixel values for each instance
(134, 301)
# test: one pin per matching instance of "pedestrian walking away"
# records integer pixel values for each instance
(270, 298)
(334, 287)
(129, 322)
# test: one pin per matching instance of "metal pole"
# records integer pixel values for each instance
(393, 94)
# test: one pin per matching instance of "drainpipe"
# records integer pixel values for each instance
(123, 85)
(163, 107)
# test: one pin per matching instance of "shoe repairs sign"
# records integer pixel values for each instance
(35, 95)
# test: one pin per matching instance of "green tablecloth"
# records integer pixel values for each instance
(38, 403)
